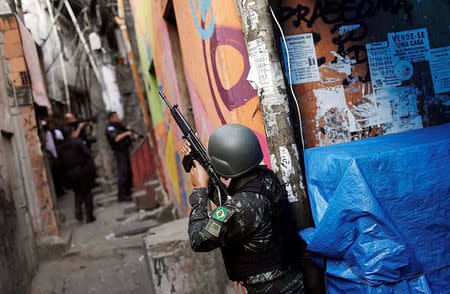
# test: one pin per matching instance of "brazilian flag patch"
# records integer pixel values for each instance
(220, 214)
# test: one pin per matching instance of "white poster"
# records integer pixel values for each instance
(303, 60)
(412, 46)
(259, 63)
(381, 65)
(440, 69)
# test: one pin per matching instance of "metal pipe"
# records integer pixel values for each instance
(120, 20)
(61, 59)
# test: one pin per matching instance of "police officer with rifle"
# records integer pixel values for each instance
(120, 140)
(252, 224)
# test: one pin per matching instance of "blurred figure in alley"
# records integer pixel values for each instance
(82, 129)
(120, 140)
(255, 227)
(76, 161)
(53, 138)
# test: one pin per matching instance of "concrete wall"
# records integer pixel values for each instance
(18, 256)
(347, 101)
(19, 79)
(214, 60)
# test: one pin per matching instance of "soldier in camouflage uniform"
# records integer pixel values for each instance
(254, 228)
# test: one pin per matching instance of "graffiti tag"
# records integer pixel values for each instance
(206, 32)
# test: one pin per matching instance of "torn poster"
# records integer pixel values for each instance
(259, 62)
(302, 57)
(405, 115)
(333, 117)
(440, 69)
(413, 45)
(374, 113)
(381, 65)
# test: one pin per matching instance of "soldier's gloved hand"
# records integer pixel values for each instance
(199, 177)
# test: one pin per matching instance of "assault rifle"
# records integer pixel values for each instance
(198, 152)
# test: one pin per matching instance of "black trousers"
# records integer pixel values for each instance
(81, 184)
(125, 175)
(57, 171)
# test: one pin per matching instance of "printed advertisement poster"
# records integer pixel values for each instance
(412, 46)
(303, 60)
(440, 69)
(258, 75)
(381, 65)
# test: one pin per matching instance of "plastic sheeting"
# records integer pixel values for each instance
(381, 208)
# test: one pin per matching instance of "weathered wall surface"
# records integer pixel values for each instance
(367, 68)
(18, 257)
(19, 78)
(215, 65)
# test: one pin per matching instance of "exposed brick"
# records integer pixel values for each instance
(16, 79)
(17, 64)
(12, 37)
(13, 50)
(4, 24)
(12, 22)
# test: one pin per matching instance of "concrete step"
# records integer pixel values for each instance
(175, 268)
(163, 214)
(134, 228)
(53, 247)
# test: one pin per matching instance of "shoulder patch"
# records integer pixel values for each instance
(222, 213)
(110, 128)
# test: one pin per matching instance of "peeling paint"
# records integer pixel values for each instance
(273, 161)
(341, 65)
(333, 117)
(393, 108)
(287, 171)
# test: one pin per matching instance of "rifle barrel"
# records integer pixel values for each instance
(163, 96)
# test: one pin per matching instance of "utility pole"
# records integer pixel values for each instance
(263, 56)
(284, 156)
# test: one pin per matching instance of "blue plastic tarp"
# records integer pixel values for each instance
(381, 208)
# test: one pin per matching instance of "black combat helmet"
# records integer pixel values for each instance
(234, 150)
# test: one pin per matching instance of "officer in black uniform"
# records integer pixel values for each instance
(120, 140)
(255, 228)
(75, 159)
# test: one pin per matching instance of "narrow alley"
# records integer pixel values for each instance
(90, 259)
(224, 146)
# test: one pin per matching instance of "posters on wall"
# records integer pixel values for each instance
(302, 57)
(381, 65)
(391, 62)
(440, 69)
(412, 45)
(259, 77)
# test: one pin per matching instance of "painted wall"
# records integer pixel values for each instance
(216, 68)
(19, 78)
(370, 67)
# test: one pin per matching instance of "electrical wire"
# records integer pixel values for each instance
(290, 77)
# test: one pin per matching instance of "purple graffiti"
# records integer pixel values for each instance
(242, 91)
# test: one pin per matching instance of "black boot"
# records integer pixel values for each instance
(89, 204)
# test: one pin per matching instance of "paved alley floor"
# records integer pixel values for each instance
(96, 262)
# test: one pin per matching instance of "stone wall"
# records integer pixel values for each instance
(175, 268)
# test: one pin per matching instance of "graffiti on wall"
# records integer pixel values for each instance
(386, 76)
(205, 30)
(216, 68)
